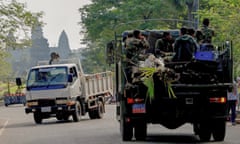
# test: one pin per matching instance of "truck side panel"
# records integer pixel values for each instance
(98, 84)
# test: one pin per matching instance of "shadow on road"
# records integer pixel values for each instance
(173, 138)
(46, 122)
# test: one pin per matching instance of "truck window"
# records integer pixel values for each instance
(47, 77)
(73, 71)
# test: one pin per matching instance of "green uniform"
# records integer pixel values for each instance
(207, 34)
(163, 45)
(135, 47)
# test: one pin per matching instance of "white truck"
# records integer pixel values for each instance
(62, 90)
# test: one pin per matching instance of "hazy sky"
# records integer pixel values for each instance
(59, 15)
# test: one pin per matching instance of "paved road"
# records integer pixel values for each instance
(18, 128)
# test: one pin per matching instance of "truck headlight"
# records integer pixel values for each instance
(33, 103)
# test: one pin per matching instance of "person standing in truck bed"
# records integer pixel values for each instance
(205, 33)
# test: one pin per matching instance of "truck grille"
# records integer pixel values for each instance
(46, 102)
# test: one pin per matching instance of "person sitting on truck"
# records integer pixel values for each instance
(136, 47)
(54, 57)
(184, 46)
(164, 45)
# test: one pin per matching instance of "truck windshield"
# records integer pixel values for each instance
(42, 78)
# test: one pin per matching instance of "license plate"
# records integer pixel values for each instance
(46, 109)
(138, 108)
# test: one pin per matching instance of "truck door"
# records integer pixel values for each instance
(75, 86)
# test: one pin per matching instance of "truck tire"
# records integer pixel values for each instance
(37, 118)
(126, 130)
(196, 128)
(219, 129)
(97, 113)
(140, 131)
(100, 110)
(77, 112)
(204, 132)
(92, 114)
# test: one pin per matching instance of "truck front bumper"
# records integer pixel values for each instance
(50, 109)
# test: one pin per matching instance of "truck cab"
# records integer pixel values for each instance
(53, 89)
(60, 78)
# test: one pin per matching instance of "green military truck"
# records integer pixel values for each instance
(183, 92)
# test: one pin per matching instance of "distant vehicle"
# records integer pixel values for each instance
(62, 90)
(197, 96)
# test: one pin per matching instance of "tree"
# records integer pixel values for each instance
(16, 21)
(15, 25)
(4, 66)
(104, 15)
(101, 18)
(191, 6)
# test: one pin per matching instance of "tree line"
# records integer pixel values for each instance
(16, 23)
(100, 19)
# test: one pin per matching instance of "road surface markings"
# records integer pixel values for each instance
(3, 127)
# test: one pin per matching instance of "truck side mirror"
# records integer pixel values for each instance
(70, 78)
(18, 81)
(110, 52)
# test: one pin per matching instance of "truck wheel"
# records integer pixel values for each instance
(126, 130)
(37, 118)
(77, 113)
(92, 114)
(140, 131)
(100, 110)
(204, 132)
(196, 128)
(219, 129)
